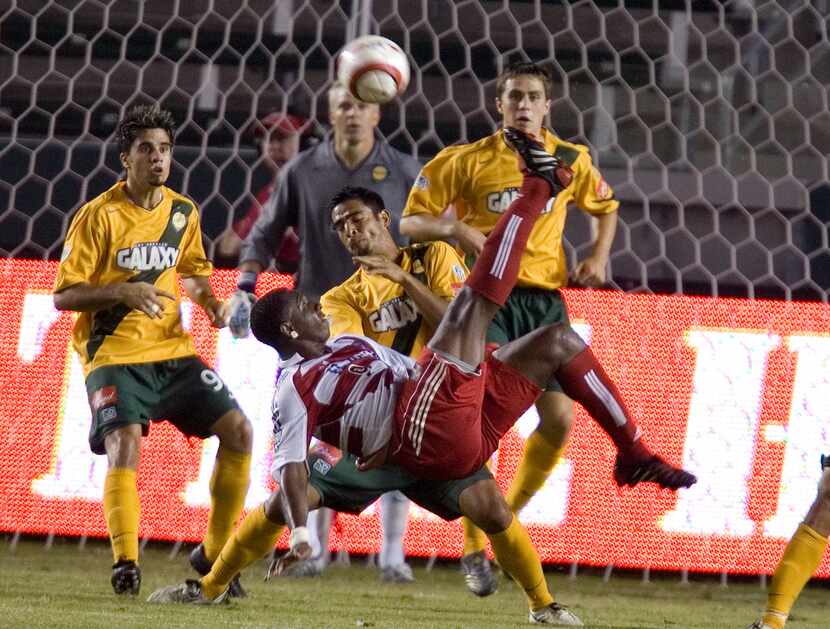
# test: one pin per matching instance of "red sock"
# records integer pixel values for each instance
(584, 380)
(494, 273)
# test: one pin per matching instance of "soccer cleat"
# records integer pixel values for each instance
(759, 624)
(537, 161)
(126, 577)
(554, 614)
(402, 573)
(307, 568)
(651, 470)
(200, 563)
(478, 574)
(189, 592)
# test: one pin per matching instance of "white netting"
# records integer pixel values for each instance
(709, 118)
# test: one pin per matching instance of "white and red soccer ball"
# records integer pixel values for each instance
(374, 69)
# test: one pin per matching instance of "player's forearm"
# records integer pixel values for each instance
(430, 306)
(425, 227)
(199, 290)
(606, 228)
(294, 493)
(88, 298)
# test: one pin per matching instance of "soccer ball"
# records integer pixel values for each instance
(374, 69)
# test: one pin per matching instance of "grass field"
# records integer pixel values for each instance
(68, 587)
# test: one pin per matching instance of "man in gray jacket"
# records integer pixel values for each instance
(354, 153)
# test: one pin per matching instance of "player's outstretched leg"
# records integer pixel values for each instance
(801, 557)
(557, 351)
(462, 330)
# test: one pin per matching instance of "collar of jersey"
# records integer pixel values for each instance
(296, 359)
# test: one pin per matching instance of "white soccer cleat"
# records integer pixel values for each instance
(555, 614)
(189, 592)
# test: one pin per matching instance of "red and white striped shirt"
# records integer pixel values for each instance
(346, 398)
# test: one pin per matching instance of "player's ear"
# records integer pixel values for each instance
(123, 158)
(287, 330)
(499, 108)
(385, 217)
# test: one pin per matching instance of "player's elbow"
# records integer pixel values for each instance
(407, 226)
(61, 301)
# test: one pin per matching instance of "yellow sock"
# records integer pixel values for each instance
(121, 511)
(540, 457)
(254, 538)
(228, 487)
(474, 538)
(800, 559)
(516, 555)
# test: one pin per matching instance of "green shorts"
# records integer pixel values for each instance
(526, 310)
(343, 488)
(184, 391)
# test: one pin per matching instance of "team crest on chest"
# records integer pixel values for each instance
(179, 221)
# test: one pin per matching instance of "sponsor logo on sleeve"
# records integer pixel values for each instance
(422, 183)
(603, 190)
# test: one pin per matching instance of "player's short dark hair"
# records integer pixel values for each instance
(370, 198)
(525, 68)
(138, 119)
(267, 315)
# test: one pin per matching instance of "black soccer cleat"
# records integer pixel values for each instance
(651, 470)
(126, 577)
(537, 161)
(199, 562)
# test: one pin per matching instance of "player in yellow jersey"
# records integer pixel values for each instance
(479, 180)
(121, 258)
(801, 557)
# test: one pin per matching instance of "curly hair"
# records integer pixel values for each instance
(525, 68)
(267, 315)
(138, 119)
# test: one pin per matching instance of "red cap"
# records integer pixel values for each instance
(277, 121)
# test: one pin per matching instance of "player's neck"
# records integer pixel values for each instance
(147, 197)
(352, 155)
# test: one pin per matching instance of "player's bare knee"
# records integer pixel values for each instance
(234, 431)
(485, 506)
(562, 343)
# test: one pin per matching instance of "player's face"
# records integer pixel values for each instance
(358, 227)
(149, 158)
(308, 321)
(353, 121)
(279, 148)
(523, 104)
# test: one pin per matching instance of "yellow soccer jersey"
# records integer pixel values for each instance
(113, 240)
(379, 308)
(482, 179)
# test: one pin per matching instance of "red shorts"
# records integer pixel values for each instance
(448, 422)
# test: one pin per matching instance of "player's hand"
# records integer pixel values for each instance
(469, 239)
(381, 265)
(591, 272)
(301, 552)
(216, 311)
(238, 313)
(145, 297)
